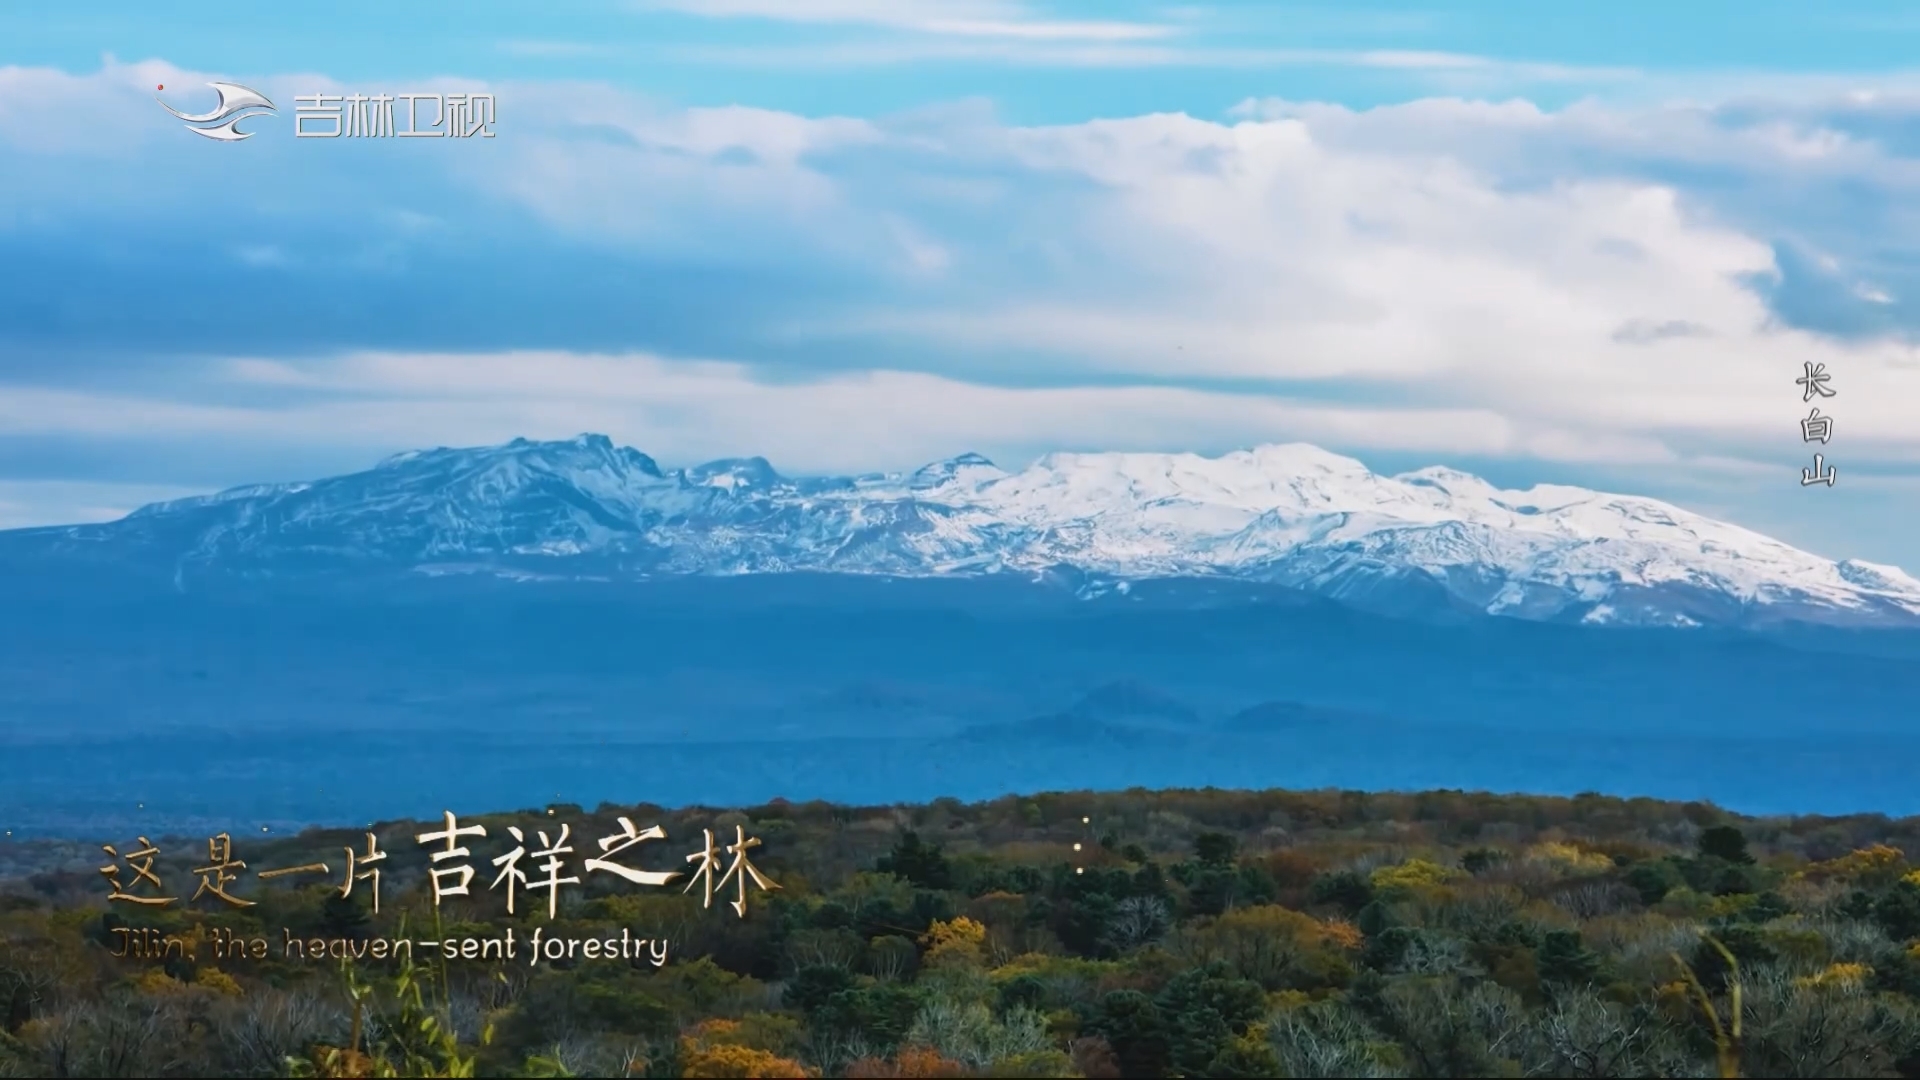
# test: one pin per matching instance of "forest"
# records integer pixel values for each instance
(1195, 933)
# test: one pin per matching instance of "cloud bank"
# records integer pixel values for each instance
(1592, 290)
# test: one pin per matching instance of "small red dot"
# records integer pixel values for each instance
(162, 86)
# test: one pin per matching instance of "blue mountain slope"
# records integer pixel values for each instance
(517, 624)
(1293, 517)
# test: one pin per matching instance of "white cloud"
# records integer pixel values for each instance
(957, 18)
(1011, 32)
(1472, 257)
(43, 111)
(696, 410)
(1263, 251)
(1455, 72)
(641, 174)
(27, 503)
(1443, 278)
(261, 255)
(531, 47)
(922, 255)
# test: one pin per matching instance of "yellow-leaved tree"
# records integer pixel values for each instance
(959, 941)
(726, 1060)
(718, 1048)
(1414, 874)
(1872, 866)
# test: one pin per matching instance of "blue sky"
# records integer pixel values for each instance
(1580, 244)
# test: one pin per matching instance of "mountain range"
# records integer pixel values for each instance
(554, 621)
(1292, 516)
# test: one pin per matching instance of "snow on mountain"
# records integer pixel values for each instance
(1294, 515)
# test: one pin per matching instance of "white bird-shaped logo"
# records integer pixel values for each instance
(237, 103)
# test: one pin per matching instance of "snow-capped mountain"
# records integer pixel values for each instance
(1291, 515)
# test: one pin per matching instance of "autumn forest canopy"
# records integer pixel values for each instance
(1140, 934)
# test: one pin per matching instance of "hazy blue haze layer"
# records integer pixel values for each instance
(335, 704)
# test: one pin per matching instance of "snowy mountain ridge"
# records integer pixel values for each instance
(1292, 515)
